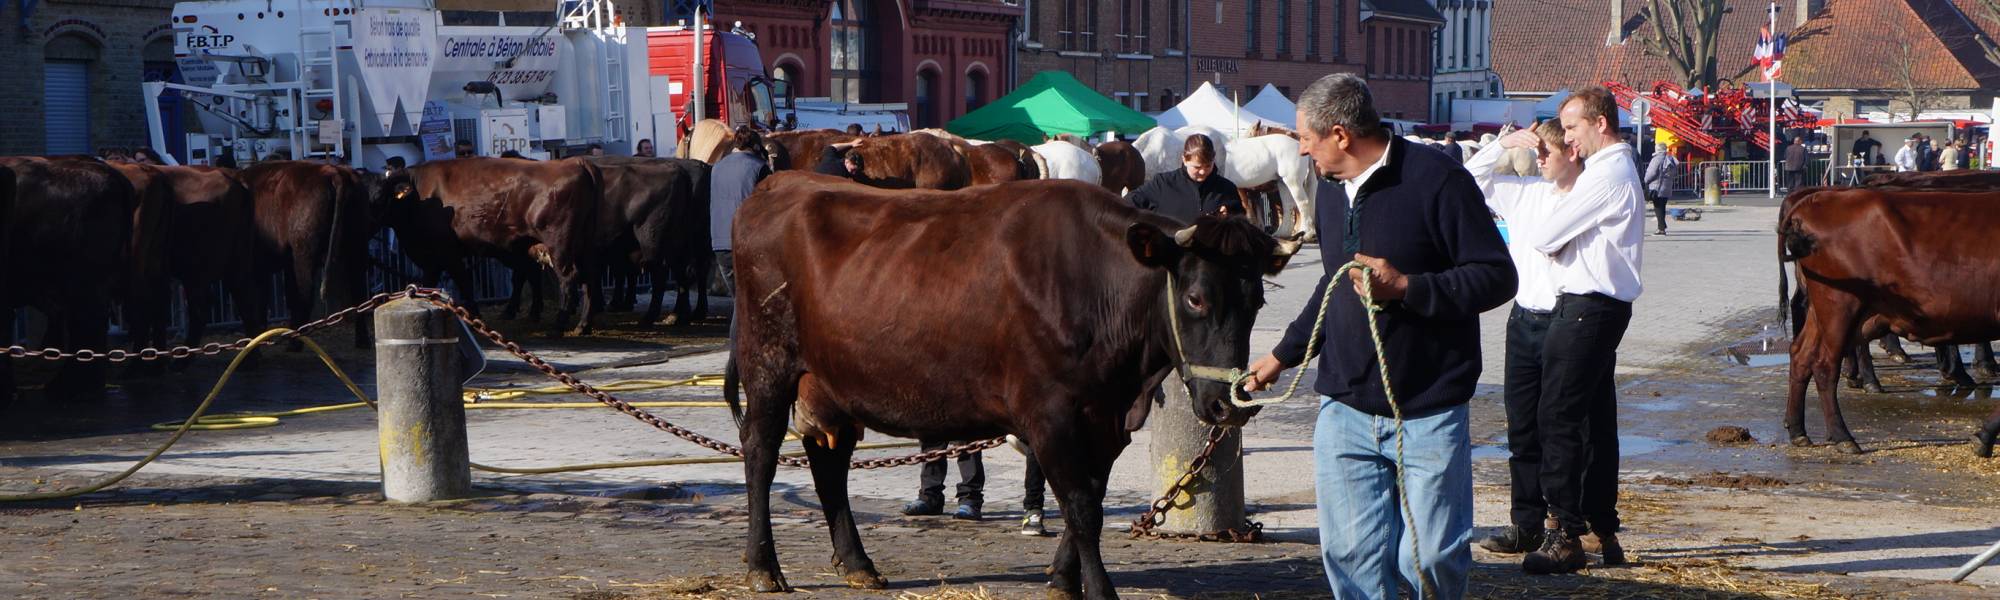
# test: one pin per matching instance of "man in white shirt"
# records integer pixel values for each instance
(1525, 202)
(1906, 158)
(1594, 234)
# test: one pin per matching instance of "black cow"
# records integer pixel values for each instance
(68, 239)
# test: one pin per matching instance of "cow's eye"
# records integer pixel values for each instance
(1195, 303)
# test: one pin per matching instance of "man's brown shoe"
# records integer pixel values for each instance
(1605, 545)
(1559, 553)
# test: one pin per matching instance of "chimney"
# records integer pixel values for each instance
(1617, 35)
(1806, 9)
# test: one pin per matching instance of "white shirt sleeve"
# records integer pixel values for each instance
(1596, 191)
(1503, 192)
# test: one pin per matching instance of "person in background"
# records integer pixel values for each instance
(462, 150)
(1906, 157)
(1451, 147)
(1595, 235)
(855, 129)
(394, 165)
(1659, 184)
(1525, 203)
(930, 491)
(645, 149)
(1952, 157)
(1795, 164)
(597, 149)
(838, 160)
(146, 156)
(515, 154)
(1191, 191)
(1865, 148)
(732, 180)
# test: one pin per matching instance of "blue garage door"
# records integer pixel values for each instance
(66, 89)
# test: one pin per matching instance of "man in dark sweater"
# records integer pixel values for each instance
(1417, 220)
(1191, 191)
(730, 182)
(838, 161)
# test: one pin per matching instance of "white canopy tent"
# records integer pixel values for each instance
(1273, 107)
(1466, 112)
(1208, 107)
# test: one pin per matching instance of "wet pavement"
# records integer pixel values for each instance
(1697, 358)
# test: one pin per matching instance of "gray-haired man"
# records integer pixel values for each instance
(1416, 218)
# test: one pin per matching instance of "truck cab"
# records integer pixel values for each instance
(738, 91)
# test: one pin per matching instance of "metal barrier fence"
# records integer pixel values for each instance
(1740, 176)
(388, 269)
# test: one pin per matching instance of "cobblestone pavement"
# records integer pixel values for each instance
(290, 511)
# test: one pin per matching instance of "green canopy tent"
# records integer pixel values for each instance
(1051, 103)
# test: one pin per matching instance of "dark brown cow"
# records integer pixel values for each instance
(656, 212)
(1031, 167)
(313, 225)
(1968, 181)
(1124, 169)
(521, 212)
(1043, 314)
(1918, 261)
(992, 163)
(911, 160)
(208, 236)
(68, 237)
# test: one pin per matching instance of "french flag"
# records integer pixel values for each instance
(1770, 52)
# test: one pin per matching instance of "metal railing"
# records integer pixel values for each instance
(1739, 176)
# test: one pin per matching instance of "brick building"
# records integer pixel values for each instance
(943, 57)
(1464, 55)
(1150, 54)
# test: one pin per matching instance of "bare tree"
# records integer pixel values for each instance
(1912, 90)
(1685, 32)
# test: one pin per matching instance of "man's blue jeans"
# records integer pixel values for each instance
(1363, 538)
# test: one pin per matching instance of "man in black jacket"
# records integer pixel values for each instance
(1417, 220)
(1191, 191)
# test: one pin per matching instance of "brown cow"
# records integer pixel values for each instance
(208, 236)
(68, 235)
(1043, 314)
(911, 160)
(447, 212)
(1918, 261)
(1124, 169)
(1969, 181)
(313, 226)
(992, 163)
(800, 150)
(656, 212)
(1031, 163)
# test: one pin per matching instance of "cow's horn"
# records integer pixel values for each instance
(1289, 247)
(1185, 237)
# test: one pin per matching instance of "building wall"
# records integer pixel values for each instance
(1463, 56)
(949, 41)
(1398, 57)
(112, 35)
(1134, 51)
(1251, 29)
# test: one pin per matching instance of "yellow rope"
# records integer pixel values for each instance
(475, 399)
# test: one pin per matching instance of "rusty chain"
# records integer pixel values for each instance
(1156, 514)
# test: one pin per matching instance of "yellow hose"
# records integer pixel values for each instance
(475, 399)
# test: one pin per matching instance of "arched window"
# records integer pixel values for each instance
(853, 47)
(975, 90)
(926, 99)
(69, 63)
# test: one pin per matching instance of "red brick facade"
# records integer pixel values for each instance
(1137, 51)
(1397, 55)
(954, 53)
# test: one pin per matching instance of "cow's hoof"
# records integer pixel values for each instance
(1963, 381)
(766, 582)
(1801, 441)
(865, 579)
(1853, 383)
(671, 321)
(579, 331)
(1982, 448)
(1985, 373)
(1847, 447)
(1899, 358)
(1872, 388)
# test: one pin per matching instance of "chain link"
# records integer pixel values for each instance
(1156, 514)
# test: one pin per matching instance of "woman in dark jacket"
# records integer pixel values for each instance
(1189, 192)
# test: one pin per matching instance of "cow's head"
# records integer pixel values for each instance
(390, 192)
(1215, 273)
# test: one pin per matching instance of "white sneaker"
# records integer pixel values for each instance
(1031, 524)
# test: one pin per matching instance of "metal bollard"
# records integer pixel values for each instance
(1214, 502)
(421, 418)
(1711, 186)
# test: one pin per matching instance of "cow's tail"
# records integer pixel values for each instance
(343, 185)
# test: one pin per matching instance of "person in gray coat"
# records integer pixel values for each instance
(731, 181)
(1659, 183)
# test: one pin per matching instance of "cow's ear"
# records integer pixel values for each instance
(1151, 246)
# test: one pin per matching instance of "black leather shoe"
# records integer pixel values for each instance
(966, 512)
(923, 508)
(1513, 540)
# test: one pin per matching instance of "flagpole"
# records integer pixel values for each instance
(1771, 107)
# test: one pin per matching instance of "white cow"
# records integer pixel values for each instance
(1260, 160)
(1064, 160)
(1161, 147)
